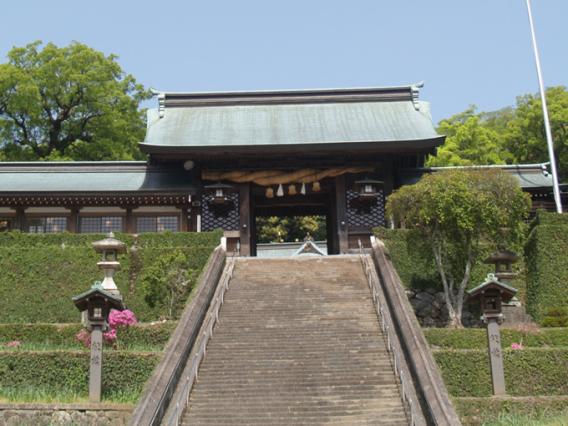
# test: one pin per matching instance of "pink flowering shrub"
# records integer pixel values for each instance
(14, 344)
(121, 318)
(110, 336)
(84, 337)
(516, 346)
(116, 319)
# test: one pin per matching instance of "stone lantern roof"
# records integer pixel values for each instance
(493, 283)
(109, 243)
(81, 301)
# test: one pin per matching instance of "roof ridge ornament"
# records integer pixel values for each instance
(415, 89)
(161, 101)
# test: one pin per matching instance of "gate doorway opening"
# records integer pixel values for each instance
(288, 219)
(283, 236)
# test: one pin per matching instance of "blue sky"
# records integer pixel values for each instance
(467, 51)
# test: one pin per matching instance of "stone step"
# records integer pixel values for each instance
(298, 343)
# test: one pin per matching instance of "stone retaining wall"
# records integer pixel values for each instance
(13, 414)
(430, 309)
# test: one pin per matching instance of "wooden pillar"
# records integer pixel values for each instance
(388, 178)
(73, 220)
(21, 219)
(195, 217)
(388, 186)
(130, 226)
(245, 219)
(184, 224)
(341, 214)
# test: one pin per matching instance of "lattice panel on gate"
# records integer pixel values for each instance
(224, 216)
(365, 213)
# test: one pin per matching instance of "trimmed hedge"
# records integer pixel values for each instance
(475, 411)
(547, 218)
(148, 335)
(527, 372)
(547, 264)
(69, 371)
(40, 273)
(150, 239)
(417, 273)
(476, 338)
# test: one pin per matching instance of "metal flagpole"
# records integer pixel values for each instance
(545, 113)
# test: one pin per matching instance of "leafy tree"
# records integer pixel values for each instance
(295, 228)
(469, 141)
(168, 281)
(68, 103)
(525, 137)
(455, 214)
(511, 135)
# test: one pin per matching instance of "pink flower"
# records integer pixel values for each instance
(13, 344)
(110, 336)
(516, 346)
(84, 337)
(121, 318)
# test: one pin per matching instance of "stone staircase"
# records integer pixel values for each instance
(298, 343)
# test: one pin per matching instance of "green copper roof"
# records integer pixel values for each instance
(530, 176)
(287, 118)
(92, 177)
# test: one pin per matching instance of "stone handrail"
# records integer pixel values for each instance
(430, 389)
(400, 366)
(180, 399)
(159, 389)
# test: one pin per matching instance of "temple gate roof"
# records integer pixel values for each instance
(322, 119)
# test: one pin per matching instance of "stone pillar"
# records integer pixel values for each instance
(95, 370)
(495, 355)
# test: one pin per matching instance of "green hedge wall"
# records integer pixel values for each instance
(40, 273)
(418, 273)
(536, 410)
(69, 371)
(475, 338)
(147, 335)
(527, 372)
(547, 264)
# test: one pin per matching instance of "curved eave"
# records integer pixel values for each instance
(363, 147)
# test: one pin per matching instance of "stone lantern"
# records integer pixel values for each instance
(503, 261)
(97, 303)
(491, 295)
(110, 247)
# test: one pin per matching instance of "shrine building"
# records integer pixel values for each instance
(220, 160)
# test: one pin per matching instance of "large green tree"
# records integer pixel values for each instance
(469, 141)
(68, 103)
(511, 135)
(525, 136)
(456, 215)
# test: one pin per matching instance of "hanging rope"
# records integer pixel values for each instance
(277, 177)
